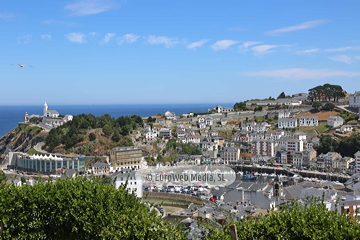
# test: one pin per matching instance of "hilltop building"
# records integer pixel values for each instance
(49, 119)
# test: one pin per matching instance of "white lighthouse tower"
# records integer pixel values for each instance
(45, 109)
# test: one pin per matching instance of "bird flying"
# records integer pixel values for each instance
(22, 65)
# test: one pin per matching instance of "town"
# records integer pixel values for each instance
(276, 147)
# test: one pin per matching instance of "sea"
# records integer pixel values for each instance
(10, 116)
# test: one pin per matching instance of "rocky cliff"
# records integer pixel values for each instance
(21, 139)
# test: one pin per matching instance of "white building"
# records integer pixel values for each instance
(354, 100)
(335, 121)
(202, 125)
(287, 123)
(284, 114)
(308, 121)
(170, 115)
(280, 101)
(248, 127)
(220, 109)
(150, 134)
(209, 121)
(166, 132)
(294, 145)
(345, 128)
(134, 182)
(50, 113)
(357, 162)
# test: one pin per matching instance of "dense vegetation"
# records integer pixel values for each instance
(78, 209)
(348, 116)
(326, 92)
(75, 131)
(240, 106)
(182, 148)
(347, 146)
(309, 221)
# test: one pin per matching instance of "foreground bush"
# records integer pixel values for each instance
(78, 209)
(309, 221)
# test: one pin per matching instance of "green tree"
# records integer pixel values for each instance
(3, 177)
(92, 136)
(78, 209)
(328, 107)
(327, 144)
(317, 105)
(240, 106)
(116, 136)
(107, 129)
(281, 95)
(151, 120)
(309, 221)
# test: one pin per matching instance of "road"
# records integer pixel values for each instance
(346, 108)
(38, 146)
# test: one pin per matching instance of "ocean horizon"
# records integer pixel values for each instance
(11, 115)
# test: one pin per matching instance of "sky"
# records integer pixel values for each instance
(166, 51)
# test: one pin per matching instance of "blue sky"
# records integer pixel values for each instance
(163, 51)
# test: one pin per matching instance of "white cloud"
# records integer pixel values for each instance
(168, 42)
(7, 16)
(237, 29)
(301, 26)
(50, 22)
(24, 39)
(76, 37)
(357, 57)
(244, 47)
(127, 38)
(249, 44)
(107, 38)
(312, 50)
(302, 73)
(223, 44)
(264, 49)
(194, 45)
(92, 34)
(46, 36)
(89, 7)
(342, 58)
(342, 49)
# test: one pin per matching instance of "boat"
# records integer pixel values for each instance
(264, 175)
(249, 177)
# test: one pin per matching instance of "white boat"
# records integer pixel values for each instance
(264, 175)
(272, 175)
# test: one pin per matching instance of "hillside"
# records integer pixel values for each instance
(322, 115)
(21, 138)
(90, 135)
